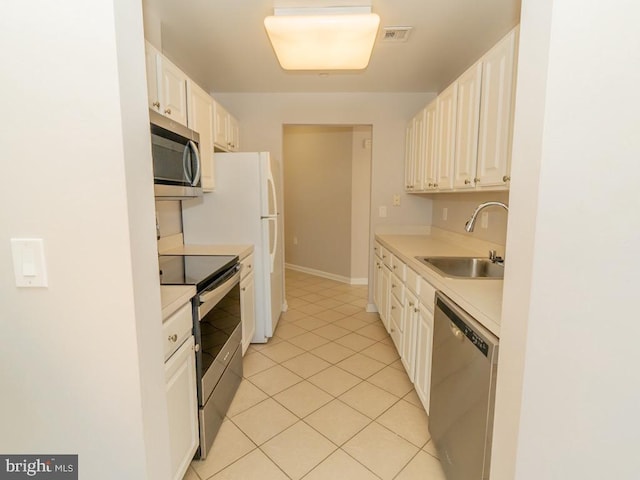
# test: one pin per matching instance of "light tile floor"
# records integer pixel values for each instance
(326, 398)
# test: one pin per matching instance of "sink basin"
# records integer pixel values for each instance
(465, 267)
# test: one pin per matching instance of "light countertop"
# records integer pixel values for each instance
(481, 298)
(173, 297)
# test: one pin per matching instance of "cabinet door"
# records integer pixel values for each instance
(445, 143)
(234, 133)
(409, 157)
(385, 292)
(496, 114)
(424, 346)
(430, 171)
(153, 75)
(377, 283)
(182, 404)
(408, 353)
(467, 117)
(200, 119)
(247, 310)
(173, 84)
(220, 126)
(419, 152)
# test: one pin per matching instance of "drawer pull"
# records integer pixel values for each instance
(173, 338)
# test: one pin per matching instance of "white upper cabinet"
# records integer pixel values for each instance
(467, 117)
(496, 114)
(166, 86)
(227, 131)
(430, 170)
(173, 85)
(173, 94)
(446, 108)
(151, 61)
(200, 119)
(467, 131)
(415, 153)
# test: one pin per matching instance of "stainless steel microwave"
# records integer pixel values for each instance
(176, 161)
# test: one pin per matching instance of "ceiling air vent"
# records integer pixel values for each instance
(395, 34)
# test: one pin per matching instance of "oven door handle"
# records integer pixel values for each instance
(216, 294)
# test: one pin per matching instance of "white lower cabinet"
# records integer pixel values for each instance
(247, 310)
(408, 352)
(424, 346)
(385, 294)
(405, 304)
(182, 405)
(247, 301)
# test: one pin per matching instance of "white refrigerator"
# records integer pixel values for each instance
(243, 209)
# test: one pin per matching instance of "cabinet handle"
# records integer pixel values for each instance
(416, 310)
(393, 285)
(431, 184)
(393, 307)
(167, 111)
(156, 104)
(392, 330)
(467, 181)
(173, 338)
(244, 289)
(476, 180)
(435, 185)
(395, 266)
(506, 178)
(411, 304)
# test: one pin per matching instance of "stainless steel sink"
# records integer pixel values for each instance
(465, 267)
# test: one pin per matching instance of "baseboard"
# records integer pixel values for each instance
(327, 275)
(371, 308)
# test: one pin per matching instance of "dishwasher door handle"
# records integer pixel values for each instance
(456, 331)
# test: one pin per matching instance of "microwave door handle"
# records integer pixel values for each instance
(186, 167)
(194, 149)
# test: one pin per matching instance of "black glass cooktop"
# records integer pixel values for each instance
(198, 270)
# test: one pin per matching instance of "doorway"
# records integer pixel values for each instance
(327, 192)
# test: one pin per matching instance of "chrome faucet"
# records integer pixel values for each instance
(469, 226)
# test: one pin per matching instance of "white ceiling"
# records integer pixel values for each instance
(223, 46)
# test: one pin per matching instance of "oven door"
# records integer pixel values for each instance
(218, 332)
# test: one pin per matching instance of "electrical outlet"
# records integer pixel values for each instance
(382, 211)
(445, 213)
(396, 200)
(484, 220)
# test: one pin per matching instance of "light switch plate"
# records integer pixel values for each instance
(28, 262)
(484, 220)
(382, 211)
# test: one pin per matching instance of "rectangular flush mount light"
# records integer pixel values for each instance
(333, 38)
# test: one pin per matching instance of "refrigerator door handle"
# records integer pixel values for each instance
(272, 192)
(272, 251)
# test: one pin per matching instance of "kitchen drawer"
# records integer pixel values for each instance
(377, 249)
(247, 266)
(427, 294)
(397, 288)
(386, 256)
(413, 281)
(176, 329)
(399, 267)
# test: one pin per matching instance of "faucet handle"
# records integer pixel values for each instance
(492, 255)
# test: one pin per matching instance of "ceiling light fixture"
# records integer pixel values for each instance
(333, 38)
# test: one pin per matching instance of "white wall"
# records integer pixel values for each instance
(81, 361)
(317, 198)
(568, 390)
(360, 206)
(262, 116)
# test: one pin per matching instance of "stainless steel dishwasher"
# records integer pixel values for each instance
(463, 385)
